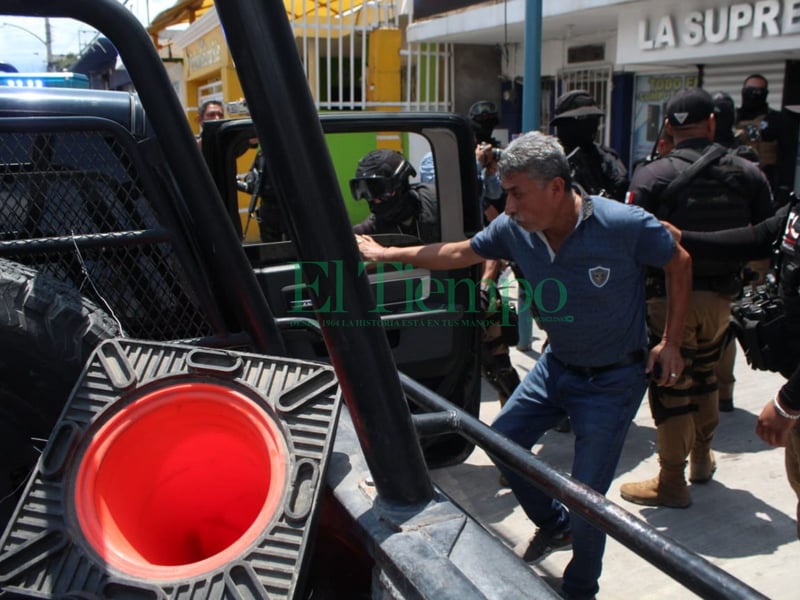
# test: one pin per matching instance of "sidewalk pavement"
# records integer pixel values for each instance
(743, 521)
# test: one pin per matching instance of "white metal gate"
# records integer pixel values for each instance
(332, 37)
(429, 80)
(597, 81)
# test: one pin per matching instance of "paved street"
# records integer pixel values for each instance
(742, 521)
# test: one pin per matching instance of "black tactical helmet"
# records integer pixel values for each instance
(483, 115)
(576, 104)
(483, 111)
(380, 174)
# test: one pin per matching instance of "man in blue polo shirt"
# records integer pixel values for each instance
(584, 261)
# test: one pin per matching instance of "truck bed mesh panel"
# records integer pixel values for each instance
(73, 205)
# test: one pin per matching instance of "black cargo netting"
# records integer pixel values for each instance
(76, 185)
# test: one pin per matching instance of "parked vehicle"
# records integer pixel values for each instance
(41, 80)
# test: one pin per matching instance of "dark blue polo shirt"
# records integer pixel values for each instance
(589, 294)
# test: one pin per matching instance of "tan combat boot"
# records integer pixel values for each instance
(668, 488)
(701, 464)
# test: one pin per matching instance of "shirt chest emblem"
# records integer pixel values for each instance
(599, 276)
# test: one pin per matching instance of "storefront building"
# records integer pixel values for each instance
(631, 55)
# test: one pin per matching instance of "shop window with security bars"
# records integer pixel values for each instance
(586, 53)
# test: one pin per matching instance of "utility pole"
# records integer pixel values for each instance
(48, 42)
(531, 91)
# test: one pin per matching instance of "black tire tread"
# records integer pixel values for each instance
(47, 332)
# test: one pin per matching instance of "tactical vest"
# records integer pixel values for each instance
(789, 259)
(716, 198)
(766, 319)
(598, 171)
(749, 132)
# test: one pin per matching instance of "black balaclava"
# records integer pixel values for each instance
(754, 100)
(396, 209)
(577, 132)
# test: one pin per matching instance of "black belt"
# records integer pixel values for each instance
(630, 359)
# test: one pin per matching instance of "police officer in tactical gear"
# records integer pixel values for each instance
(265, 206)
(778, 337)
(725, 117)
(497, 336)
(698, 185)
(596, 168)
(484, 118)
(725, 135)
(396, 205)
(769, 134)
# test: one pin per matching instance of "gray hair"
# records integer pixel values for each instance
(539, 155)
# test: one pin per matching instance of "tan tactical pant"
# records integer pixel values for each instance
(690, 409)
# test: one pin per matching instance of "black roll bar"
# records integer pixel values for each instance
(262, 44)
(682, 564)
(674, 559)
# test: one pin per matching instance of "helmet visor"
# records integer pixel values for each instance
(369, 188)
(483, 110)
(379, 186)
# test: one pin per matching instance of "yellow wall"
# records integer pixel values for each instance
(207, 60)
(383, 76)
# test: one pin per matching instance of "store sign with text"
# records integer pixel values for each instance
(763, 19)
(672, 30)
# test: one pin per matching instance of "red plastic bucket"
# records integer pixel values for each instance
(180, 481)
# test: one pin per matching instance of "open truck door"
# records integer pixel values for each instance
(431, 319)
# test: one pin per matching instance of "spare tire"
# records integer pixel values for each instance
(47, 331)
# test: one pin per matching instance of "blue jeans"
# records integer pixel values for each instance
(601, 409)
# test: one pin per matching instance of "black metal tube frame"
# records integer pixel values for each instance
(62, 243)
(262, 45)
(677, 561)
